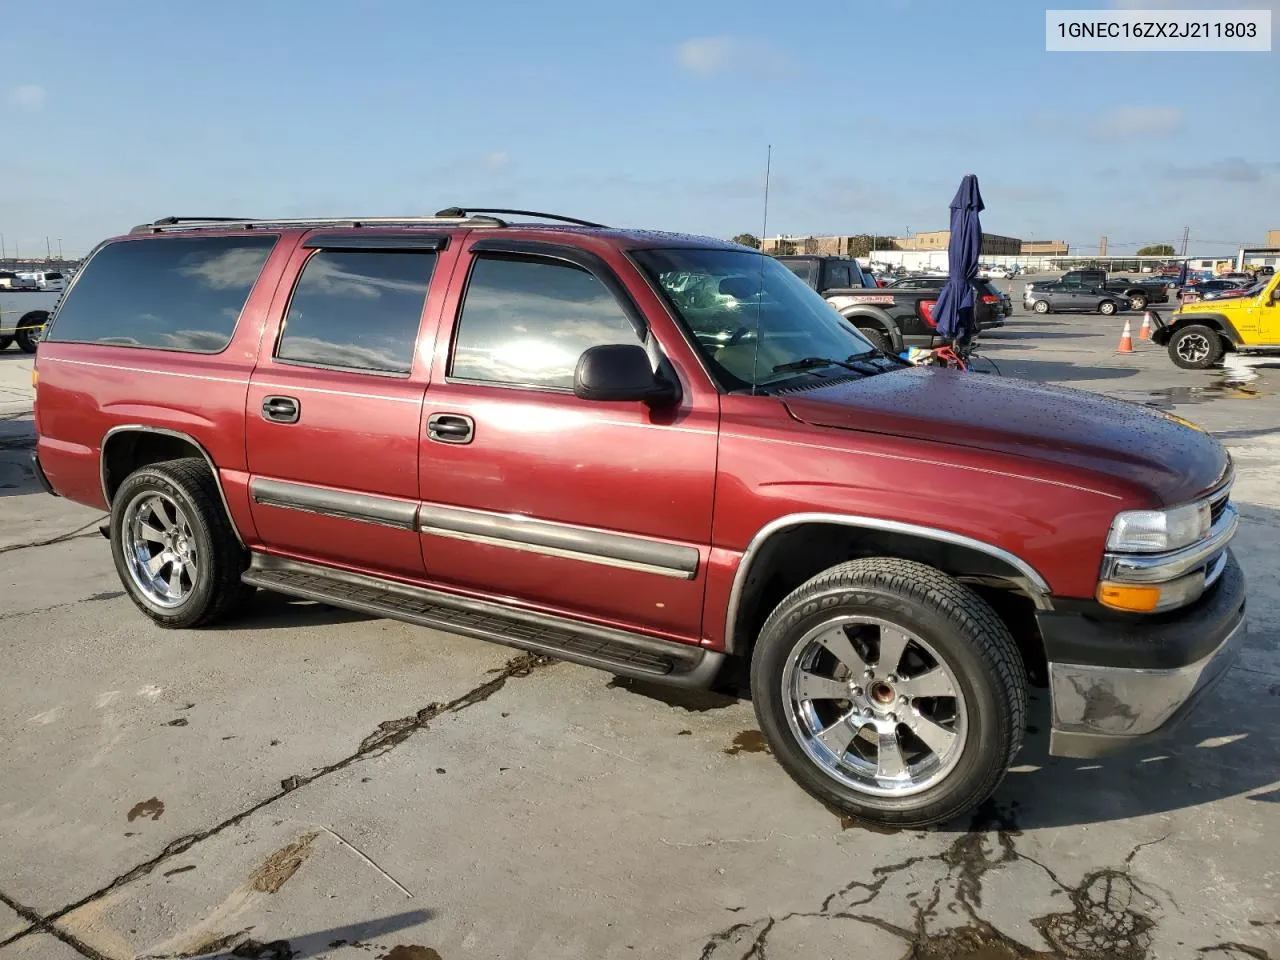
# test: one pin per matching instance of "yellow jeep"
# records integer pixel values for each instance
(1197, 334)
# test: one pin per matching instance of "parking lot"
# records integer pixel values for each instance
(310, 782)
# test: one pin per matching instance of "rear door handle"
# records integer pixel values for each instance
(450, 428)
(281, 409)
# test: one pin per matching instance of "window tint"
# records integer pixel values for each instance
(174, 293)
(838, 276)
(528, 321)
(357, 310)
(804, 269)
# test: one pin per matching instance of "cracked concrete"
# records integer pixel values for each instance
(311, 783)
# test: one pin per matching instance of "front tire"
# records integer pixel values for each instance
(1138, 302)
(4, 342)
(173, 545)
(1195, 347)
(890, 692)
(28, 338)
(1041, 306)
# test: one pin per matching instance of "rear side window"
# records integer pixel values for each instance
(170, 293)
(838, 277)
(526, 322)
(357, 310)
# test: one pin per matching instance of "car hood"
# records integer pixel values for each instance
(1169, 457)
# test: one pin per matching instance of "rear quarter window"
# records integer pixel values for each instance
(170, 293)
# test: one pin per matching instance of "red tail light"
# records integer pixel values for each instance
(988, 298)
(881, 283)
(926, 311)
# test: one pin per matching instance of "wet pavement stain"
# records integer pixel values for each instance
(1111, 916)
(276, 870)
(153, 808)
(695, 701)
(685, 733)
(170, 873)
(411, 952)
(853, 823)
(748, 741)
(1167, 397)
(180, 722)
(1239, 950)
(275, 950)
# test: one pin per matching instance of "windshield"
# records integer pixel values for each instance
(749, 315)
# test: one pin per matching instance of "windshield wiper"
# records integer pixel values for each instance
(813, 363)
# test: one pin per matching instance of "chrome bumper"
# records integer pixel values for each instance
(1100, 709)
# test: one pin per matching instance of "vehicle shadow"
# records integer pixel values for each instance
(17, 440)
(269, 610)
(318, 943)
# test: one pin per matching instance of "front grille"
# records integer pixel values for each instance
(1218, 506)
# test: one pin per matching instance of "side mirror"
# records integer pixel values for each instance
(621, 371)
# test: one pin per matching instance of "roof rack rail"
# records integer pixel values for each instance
(166, 224)
(464, 211)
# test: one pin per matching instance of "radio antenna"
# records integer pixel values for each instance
(764, 232)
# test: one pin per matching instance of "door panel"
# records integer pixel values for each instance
(599, 509)
(334, 408)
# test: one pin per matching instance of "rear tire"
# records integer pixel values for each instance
(1041, 306)
(1195, 347)
(1107, 308)
(908, 735)
(879, 339)
(173, 545)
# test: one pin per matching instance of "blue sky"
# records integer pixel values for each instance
(654, 115)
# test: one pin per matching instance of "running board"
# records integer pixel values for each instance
(616, 651)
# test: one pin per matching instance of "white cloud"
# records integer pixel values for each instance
(28, 96)
(497, 160)
(707, 54)
(1227, 170)
(1138, 122)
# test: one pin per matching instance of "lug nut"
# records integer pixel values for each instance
(856, 691)
(893, 678)
(868, 673)
(902, 699)
(892, 718)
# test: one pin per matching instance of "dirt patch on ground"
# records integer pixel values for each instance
(281, 865)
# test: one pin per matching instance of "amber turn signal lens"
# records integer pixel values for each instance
(1129, 597)
(34, 378)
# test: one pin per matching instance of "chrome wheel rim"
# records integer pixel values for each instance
(874, 706)
(1194, 347)
(1108, 308)
(160, 549)
(1041, 307)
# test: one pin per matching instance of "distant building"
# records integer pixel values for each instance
(1273, 238)
(816, 246)
(1045, 248)
(992, 243)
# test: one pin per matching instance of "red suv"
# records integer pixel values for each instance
(660, 455)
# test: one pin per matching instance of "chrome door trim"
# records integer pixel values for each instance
(164, 431)
(567, 541)
(1031, 580)
(385, 511)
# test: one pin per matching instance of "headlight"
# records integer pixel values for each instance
(1159, 531)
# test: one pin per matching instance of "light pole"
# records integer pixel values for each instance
(59, 248)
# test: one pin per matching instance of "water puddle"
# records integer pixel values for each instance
(748, 741)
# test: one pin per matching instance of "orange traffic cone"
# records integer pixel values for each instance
(1126, 339)
(1145, 332)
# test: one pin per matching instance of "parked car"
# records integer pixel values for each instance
(17, 281)
(1063, 297)
(1000, 273)
(988, 292)
(1198, 334)
(1210, 289)
(22, 328)
(894, 317)
(1238, 277)
(1139, 292)
(658, 455)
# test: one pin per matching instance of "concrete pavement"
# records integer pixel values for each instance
(307, 782)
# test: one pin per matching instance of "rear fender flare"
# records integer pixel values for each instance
(864, 316)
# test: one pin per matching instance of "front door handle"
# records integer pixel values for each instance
(450, 428)
(281, 409)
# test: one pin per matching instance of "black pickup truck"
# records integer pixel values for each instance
(892, 318)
